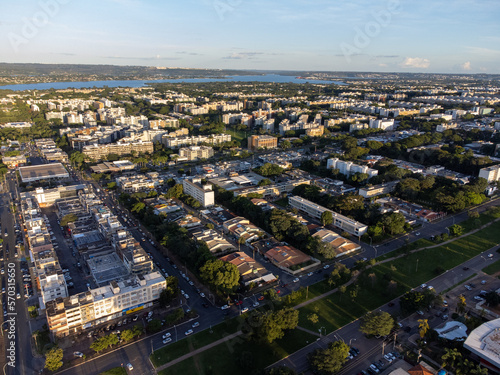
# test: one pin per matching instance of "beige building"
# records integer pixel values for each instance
(98, 152)
(262, 141)
(196, 152)
(315, 132)
(341, 245)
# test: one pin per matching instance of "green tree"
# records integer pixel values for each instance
(285, 145)
(423, 327)
(69, 218)
(53, 359)
(326, 218)
(222, 276)
(265, 182)
(377, 323)
(461, 304)
(170, 292)
(456, 230)
(451, 357)
(138, 207)
(272, 325)
(175, 191)
(330, 360)
(127, 335)
(313, 318)
(154, 326)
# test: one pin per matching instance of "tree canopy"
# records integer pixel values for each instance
(377, 323)
(330, 360)
(221, 276)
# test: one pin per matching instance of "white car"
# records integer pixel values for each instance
(167, 340)
(310, 274)
(202, 295)
(130, 367)
(196, 324)
(222, 308)
(244, 310)
(255, 304)
(296, 280)
(166, 335)
(326, 266)
(78, 354)
(188, 332)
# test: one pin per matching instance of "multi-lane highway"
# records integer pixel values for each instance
(16, 325)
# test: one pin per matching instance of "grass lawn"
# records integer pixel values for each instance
(407, 272)
(189, 343)
(492, 268)
(115, 371)
(283, 202)
(240, 356)
(239, 135)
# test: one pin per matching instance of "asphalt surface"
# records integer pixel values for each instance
(372, 349)
(24, 363)
(137, 352)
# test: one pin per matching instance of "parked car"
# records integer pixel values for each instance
(224, 307)
(167, 340)
(188, 332)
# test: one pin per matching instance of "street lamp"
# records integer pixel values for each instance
(321, 331)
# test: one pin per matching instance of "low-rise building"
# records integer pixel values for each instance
(196, 152)
(341, 245)
(340, 221)
(251, 271)
(243, 228)
(262, 141)
(375, 190)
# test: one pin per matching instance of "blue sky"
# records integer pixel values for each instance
(454, 36)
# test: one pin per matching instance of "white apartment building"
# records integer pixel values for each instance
(202, 193)
(88, 309)
(491, 174)
(348, 167)
(52, 286)
(340, 221)
(213, 139)
(385, 124)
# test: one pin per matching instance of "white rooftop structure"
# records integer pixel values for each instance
(484, 341)
(453, 331)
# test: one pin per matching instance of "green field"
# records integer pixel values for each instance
(492, 268)
(198, 340)
(407, 272)
(240, 356)
(239, 135)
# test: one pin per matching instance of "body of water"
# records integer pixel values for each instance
(142, 83)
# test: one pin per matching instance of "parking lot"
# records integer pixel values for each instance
(71, 262)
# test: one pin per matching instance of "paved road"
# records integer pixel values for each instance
(351, 335)
(24, 363)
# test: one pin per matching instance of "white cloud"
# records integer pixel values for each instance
(466, 66)
(416, 62)
(382, 65)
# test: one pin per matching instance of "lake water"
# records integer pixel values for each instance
(142, 83)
